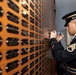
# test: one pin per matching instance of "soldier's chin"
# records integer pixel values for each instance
(71, 34)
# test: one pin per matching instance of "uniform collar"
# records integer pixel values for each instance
(74, 36)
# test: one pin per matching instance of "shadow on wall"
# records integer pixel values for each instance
(49, 54)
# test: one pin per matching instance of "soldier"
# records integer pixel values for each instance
(66, 58)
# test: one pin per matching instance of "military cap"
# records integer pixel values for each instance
(68, 17)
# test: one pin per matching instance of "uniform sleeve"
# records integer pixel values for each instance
(60, 54)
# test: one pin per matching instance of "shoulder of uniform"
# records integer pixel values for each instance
(71, 48)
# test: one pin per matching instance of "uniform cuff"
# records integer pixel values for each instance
(53, 40)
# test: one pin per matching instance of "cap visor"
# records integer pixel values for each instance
(66, 25)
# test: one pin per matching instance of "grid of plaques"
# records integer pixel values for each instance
(22, 48)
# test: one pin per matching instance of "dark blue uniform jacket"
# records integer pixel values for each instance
(64, 56)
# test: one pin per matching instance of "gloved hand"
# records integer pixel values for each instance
(53, 34)
(57, 36)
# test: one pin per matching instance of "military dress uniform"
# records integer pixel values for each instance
(66, 58)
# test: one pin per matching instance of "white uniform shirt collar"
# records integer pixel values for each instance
(74, 36)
